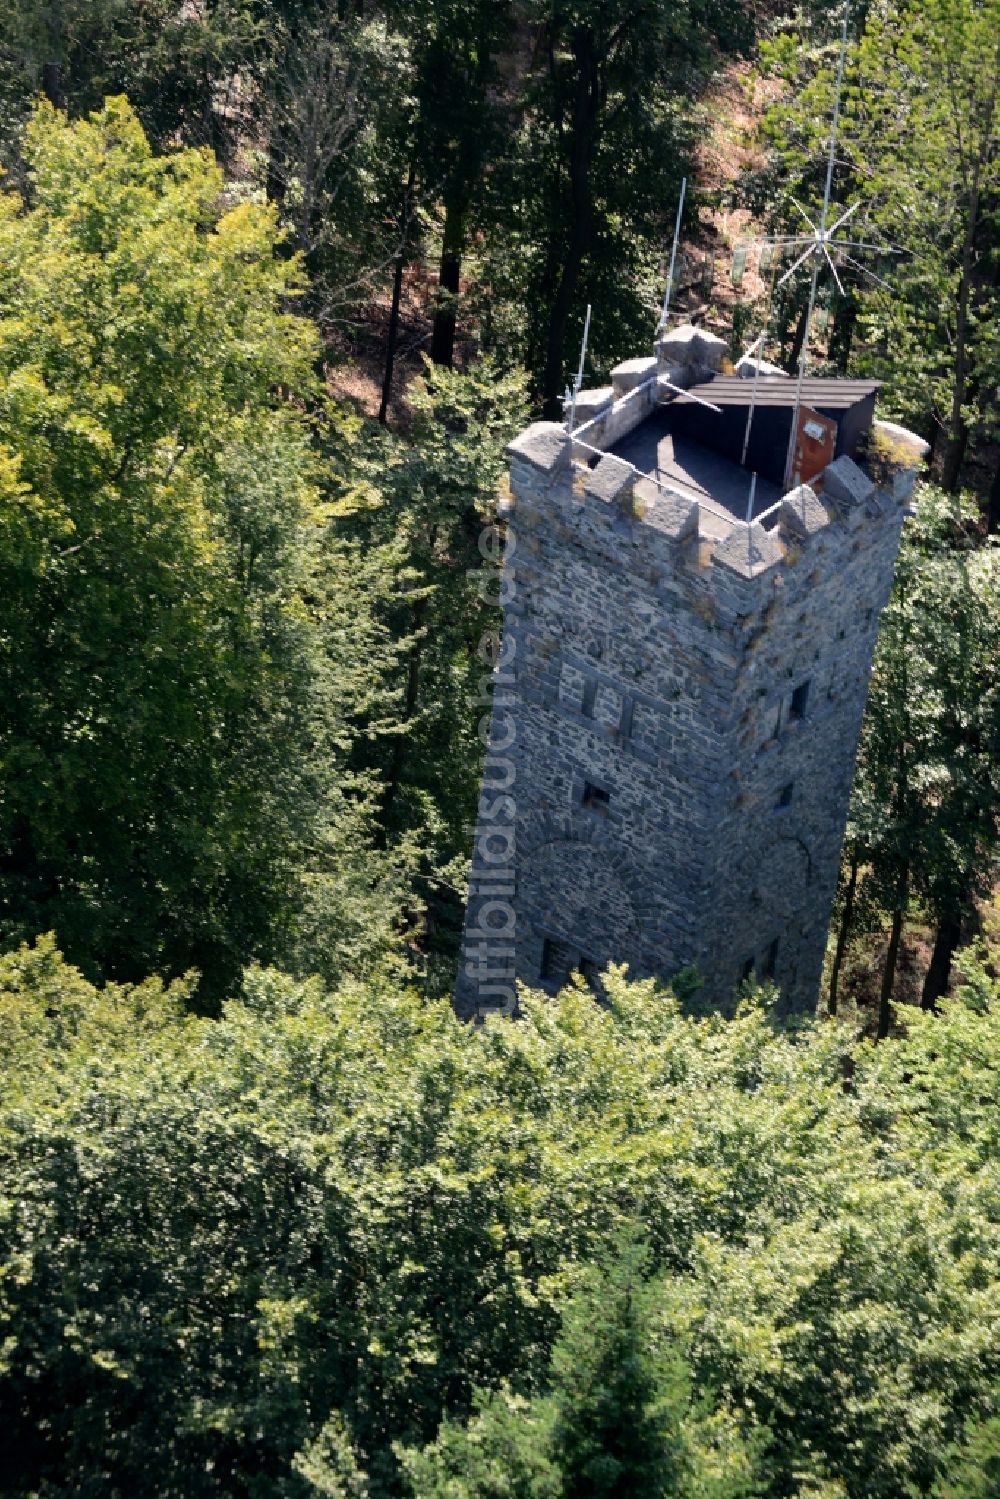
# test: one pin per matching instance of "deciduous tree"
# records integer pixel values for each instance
(175, 705)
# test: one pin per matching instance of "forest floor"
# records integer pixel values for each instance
(862, 974)
(712, 291)
(356, 368)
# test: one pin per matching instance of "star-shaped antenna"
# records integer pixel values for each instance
(821, 245)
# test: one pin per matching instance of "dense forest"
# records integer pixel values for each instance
(279, 280)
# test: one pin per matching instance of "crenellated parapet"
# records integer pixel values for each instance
(614, 501)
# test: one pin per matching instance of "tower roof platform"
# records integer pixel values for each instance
(693, 440)
(669, 457)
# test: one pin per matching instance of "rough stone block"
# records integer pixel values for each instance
(545, 445)
(673, 514)
(748, 551)
(630, 373)
(611, 481)
(746, 368)
(916, 448)
(802, 513)
(903, 482)
(679, 345)
(682, 375)
(593, 403)
(712, 350)
(846, 484)
(692, 348)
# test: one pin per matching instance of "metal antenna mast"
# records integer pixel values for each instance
(673, 259)
(820, 247)
(571, 395)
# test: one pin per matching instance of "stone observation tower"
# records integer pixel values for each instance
(679, 693)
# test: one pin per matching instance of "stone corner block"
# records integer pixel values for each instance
(545, 445)
(749, 366)
(611, 481)
(673, 515)
(748, 551)
(678, 345)
(802, 513)
(916, 448)
(630, 373)
(846, 484)
(712, 349)
(687, 346)
(591, 404)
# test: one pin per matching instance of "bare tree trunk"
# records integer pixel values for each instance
(583, 141)
(936, 979)
(891, 959)
(958, 432)
(397, 294)
(52, 83)
(391, 337)
(798, 339)
(954, 452)
(413, 665)
(844, 930)
(52, 68)
(844, 327)
(449, 281)
(993, 504)
(946, 939)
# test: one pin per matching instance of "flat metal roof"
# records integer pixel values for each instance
(779, 390)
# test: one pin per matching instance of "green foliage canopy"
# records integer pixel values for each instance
(239, 1252)
(926, 799)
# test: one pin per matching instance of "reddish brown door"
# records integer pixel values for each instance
(816, 443)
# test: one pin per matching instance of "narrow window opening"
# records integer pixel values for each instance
(746, 972)
(591, 973)
(770, 961)
(558, 962)
(596, 799)
(545, 972)
(784, 798)
(800, 697)
(589, 698)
